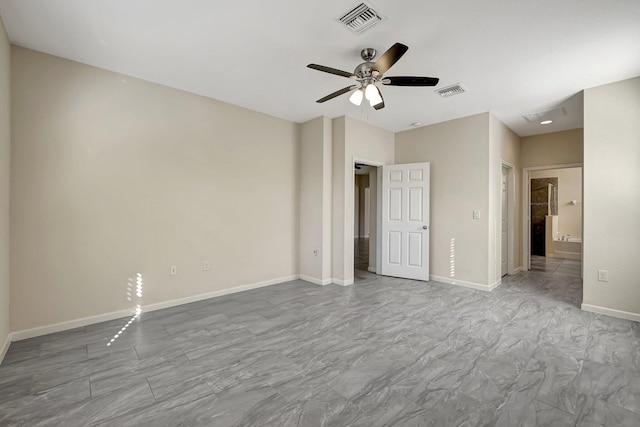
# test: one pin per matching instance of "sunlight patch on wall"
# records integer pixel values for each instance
(452, 257)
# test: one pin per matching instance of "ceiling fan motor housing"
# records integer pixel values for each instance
(363, 70)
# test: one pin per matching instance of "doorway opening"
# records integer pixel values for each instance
(398, 241)
(553, 225)
(364, 217)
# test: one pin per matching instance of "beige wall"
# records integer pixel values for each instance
(315, 201)
(352, 140)
(612, 198)
(569, 188)
(5, 156)
(458, 151)
(550, 149)
(113, 176)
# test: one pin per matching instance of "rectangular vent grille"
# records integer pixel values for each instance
(452, 90)
(545, 115)
(359, 18)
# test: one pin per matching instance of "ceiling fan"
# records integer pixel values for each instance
(368, 74)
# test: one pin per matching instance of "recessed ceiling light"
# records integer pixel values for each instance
(416, 124)
(546, 122)
(545, 115)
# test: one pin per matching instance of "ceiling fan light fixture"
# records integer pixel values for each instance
(356, 97)
(371, 91)
(376, 99)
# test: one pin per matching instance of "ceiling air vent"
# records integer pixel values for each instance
(448, 91)
(360, 17)
(545, 115)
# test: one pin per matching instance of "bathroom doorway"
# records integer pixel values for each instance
(552, 232)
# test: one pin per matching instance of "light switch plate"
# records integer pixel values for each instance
(476, 214)
(603, 275)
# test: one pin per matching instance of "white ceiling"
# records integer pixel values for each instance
(513, 56)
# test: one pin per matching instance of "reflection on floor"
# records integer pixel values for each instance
(361, 253)
(565, 267)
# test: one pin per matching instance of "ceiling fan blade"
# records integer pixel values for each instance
(410, 81)
(330, 70)
(337, 93)
(380, 105)
(390, 57)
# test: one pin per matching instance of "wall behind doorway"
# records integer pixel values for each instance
(549, 149)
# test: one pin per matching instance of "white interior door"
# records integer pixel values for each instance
(405, 221)
(504, 222)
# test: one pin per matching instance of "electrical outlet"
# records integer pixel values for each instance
(174, 270)
(315, 252)
(206, 266)
(476, 214)
(603, 275)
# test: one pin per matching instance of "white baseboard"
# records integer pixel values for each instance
(69, 324)
(5, 347)
(611, 312)
(372, 270)
(342, 282)
(477, 286)
(85, 321)
(517, 270)
(222, 292)
(315, 281)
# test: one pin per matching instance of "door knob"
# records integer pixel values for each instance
(425, 227)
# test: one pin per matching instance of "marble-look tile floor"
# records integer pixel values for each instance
(558, 266)
(383, 352)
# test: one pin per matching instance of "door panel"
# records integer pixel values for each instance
(415, 204)
(415, 249)
(395, 247)
(405, 224)
(395, 204)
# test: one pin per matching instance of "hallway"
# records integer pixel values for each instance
(361, 253)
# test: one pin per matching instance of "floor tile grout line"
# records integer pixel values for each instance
(151, 389)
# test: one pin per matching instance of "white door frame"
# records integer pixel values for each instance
(378, 242)
(511, 215)
(526, 208)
